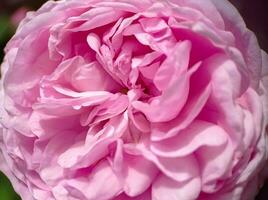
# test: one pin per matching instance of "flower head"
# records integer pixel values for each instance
(152, 99)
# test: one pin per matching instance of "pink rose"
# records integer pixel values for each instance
(134, 100)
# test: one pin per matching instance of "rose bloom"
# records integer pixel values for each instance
(134, 100)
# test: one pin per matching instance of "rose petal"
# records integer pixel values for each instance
(167, 189)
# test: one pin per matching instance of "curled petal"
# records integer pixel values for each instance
(165, 188)
(186, 142)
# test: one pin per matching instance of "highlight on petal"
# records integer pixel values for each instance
(96, 185)
(165, 188)
(174, 79)
(186, 142)
(139, 175)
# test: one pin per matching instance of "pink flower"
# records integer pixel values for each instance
(134, 100)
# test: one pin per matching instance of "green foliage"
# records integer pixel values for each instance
(6, 30)
(6, 190)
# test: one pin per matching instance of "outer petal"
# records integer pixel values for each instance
(178, 169)
(139, 175)
(167, 189)
(207, 8)
(145, 196)
(101, 184)
(246, 41)
(264, 85)
(19, 187)
(198, 134)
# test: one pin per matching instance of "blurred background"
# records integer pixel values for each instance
(255, 13)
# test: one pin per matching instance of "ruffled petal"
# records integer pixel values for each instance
(97, 185)
(165, 188)
(198, 134)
